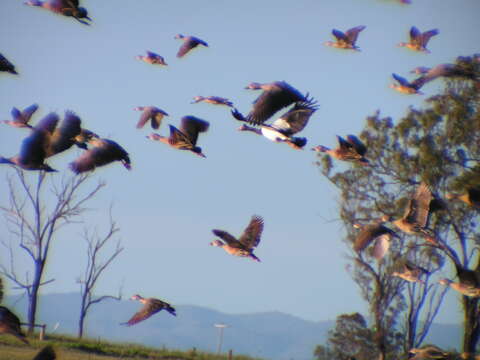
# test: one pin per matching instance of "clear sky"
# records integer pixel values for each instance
(168, 203)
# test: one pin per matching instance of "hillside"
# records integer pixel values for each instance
(270, 335)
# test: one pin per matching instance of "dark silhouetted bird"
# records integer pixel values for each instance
(47, 353)
(6, 65)
(101, 152)
(10, 324)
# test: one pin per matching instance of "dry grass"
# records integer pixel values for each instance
(69, 348)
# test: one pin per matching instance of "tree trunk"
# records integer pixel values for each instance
(33, 300)
(471, 325)
(83, 313)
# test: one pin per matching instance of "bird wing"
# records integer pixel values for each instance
(418, 206)
(339, 35)
(151, 307)
(152, 54)
(28, 112)
(352, 34)
(191, 126)
(425, 37)
(146, 115)
(228, 238)
(64, 137)
(295, 119)
(272, 100)
(17, 115)
(189, 43)
(108, 152)
(253, 232)
(6, 65)
(48, 123)
(359, 146)
(415, 35)
(401, 80)
(157, 118)
(33, 146)
(70, 3)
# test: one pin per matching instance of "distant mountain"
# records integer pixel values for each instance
(269, 335)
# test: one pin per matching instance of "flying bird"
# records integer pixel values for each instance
(20, 119)
(244, 246)
(150, 307)
(349, 149)
(58, 139)
(69, 8)
(471, 196)
(346, 40)
(415, 216)
(186, 137)
(7, 66)
(287, 125)
(418, 40)
(374, 232)
(152, 58)
(102, 152)
(411, 273)
(406, 87)
(215, 100)
(274, 97)
(444, 70)
(10, 324)
(152, 113)
(189, 43)
(32, 152)
(428, 353)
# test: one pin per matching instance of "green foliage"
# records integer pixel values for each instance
(439, 145)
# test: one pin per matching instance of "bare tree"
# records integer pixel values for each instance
(34, 214)
(94, 269)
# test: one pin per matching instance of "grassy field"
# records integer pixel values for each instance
(69, 348)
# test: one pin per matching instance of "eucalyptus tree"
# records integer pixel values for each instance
(438, 145)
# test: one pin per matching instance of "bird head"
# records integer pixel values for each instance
(216, 243)
(197, 99)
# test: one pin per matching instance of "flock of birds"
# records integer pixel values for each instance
(51, 136)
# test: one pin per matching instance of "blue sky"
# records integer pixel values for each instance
(168, 204)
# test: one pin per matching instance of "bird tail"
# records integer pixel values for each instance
(297, 142)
